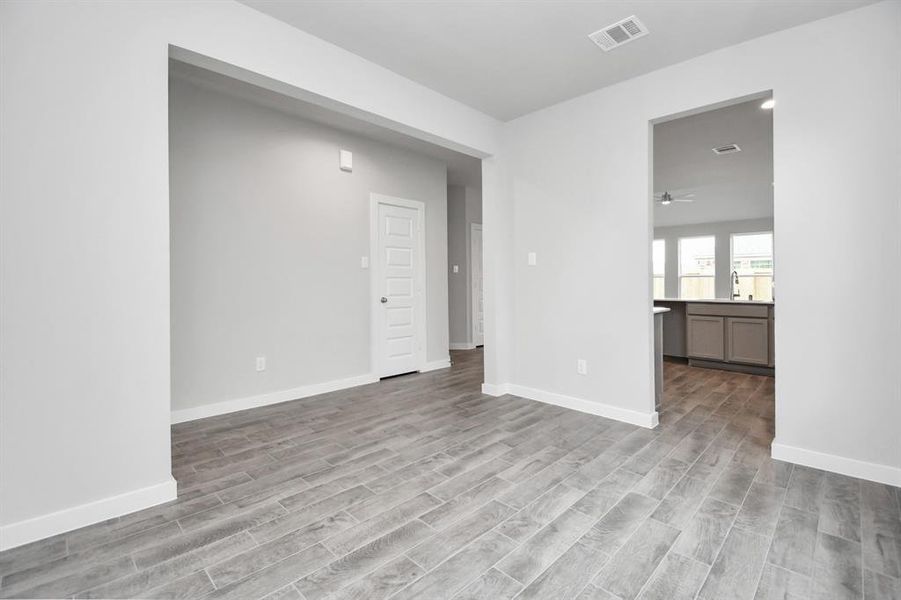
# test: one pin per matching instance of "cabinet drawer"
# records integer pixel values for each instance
(747, 341)
(705, 337)
(728, 310)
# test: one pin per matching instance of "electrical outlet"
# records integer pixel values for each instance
(261, 363)
(582, 366)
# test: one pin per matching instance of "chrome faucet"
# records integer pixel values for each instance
(736, 293)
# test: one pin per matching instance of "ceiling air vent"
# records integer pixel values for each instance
(619, 33)
(727, 149)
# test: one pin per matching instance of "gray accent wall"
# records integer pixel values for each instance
(464, 207)
(267, 236)
(723, 232)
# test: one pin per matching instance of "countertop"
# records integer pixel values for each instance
(661, 309)
(716, 301)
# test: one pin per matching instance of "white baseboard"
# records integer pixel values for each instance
(462, 346)
(230, 406)
(495, 389)
(838, 464)
(38, 528)
(434, 365)
(600, 409)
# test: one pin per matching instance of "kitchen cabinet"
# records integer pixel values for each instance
(747, 341)
(705, 337)
(732, 334)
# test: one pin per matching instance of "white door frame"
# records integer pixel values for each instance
(375, 274)
(473, 301)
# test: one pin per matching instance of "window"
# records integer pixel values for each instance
(658, 251)
(752, 259)
(697, 267)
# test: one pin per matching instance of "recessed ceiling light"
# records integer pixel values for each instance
(768, 104)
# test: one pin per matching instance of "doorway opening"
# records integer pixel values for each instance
(465, 270)
(477, 285)
(713, 268)
(271, 261)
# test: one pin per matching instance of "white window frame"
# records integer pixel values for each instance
(732, 252)
(679, 257)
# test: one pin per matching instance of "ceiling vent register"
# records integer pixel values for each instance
(619, 33)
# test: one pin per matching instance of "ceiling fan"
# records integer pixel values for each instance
(666, 197)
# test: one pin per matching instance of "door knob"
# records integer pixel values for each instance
(383, 300)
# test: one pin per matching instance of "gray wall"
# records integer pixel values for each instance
(464, 207)
(266, 240)
(723, 232)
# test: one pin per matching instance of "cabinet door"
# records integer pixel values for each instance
(705, 337)
(748, 341)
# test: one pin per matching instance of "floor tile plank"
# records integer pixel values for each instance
(543, 548)
(677, 578)
(461, 569)
(794, 541)
(704, 535)
(441, 545)
(736, 571)
(493, 585)
(631, 567)
(339, 573)
(838, 573)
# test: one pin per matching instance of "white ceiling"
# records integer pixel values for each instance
(727, 187)
(508, 58)
(461, 169)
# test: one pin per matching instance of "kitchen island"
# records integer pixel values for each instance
(736, 335)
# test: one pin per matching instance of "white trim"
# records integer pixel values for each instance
(434, 365)
(375, 272)
(495, 389)
(44, 526)
(838, 464)
(648, 420)
(462, 346)
(304, 391)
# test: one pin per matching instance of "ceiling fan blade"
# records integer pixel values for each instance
(674, 195)
(682, 200)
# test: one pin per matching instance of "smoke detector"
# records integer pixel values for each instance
(727, 149)
(621, 32)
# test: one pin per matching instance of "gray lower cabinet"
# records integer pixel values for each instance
(732, 333)
(705, 337)
(747, 341)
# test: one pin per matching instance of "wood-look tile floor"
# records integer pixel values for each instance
(421, 487)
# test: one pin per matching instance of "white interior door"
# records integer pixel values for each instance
(401, 314)
(478, 309)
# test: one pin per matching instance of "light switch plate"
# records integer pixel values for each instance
(364, 262)
(456, 268)
(582, 366)
(533, 259)
(346, 160)
(261, 363)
